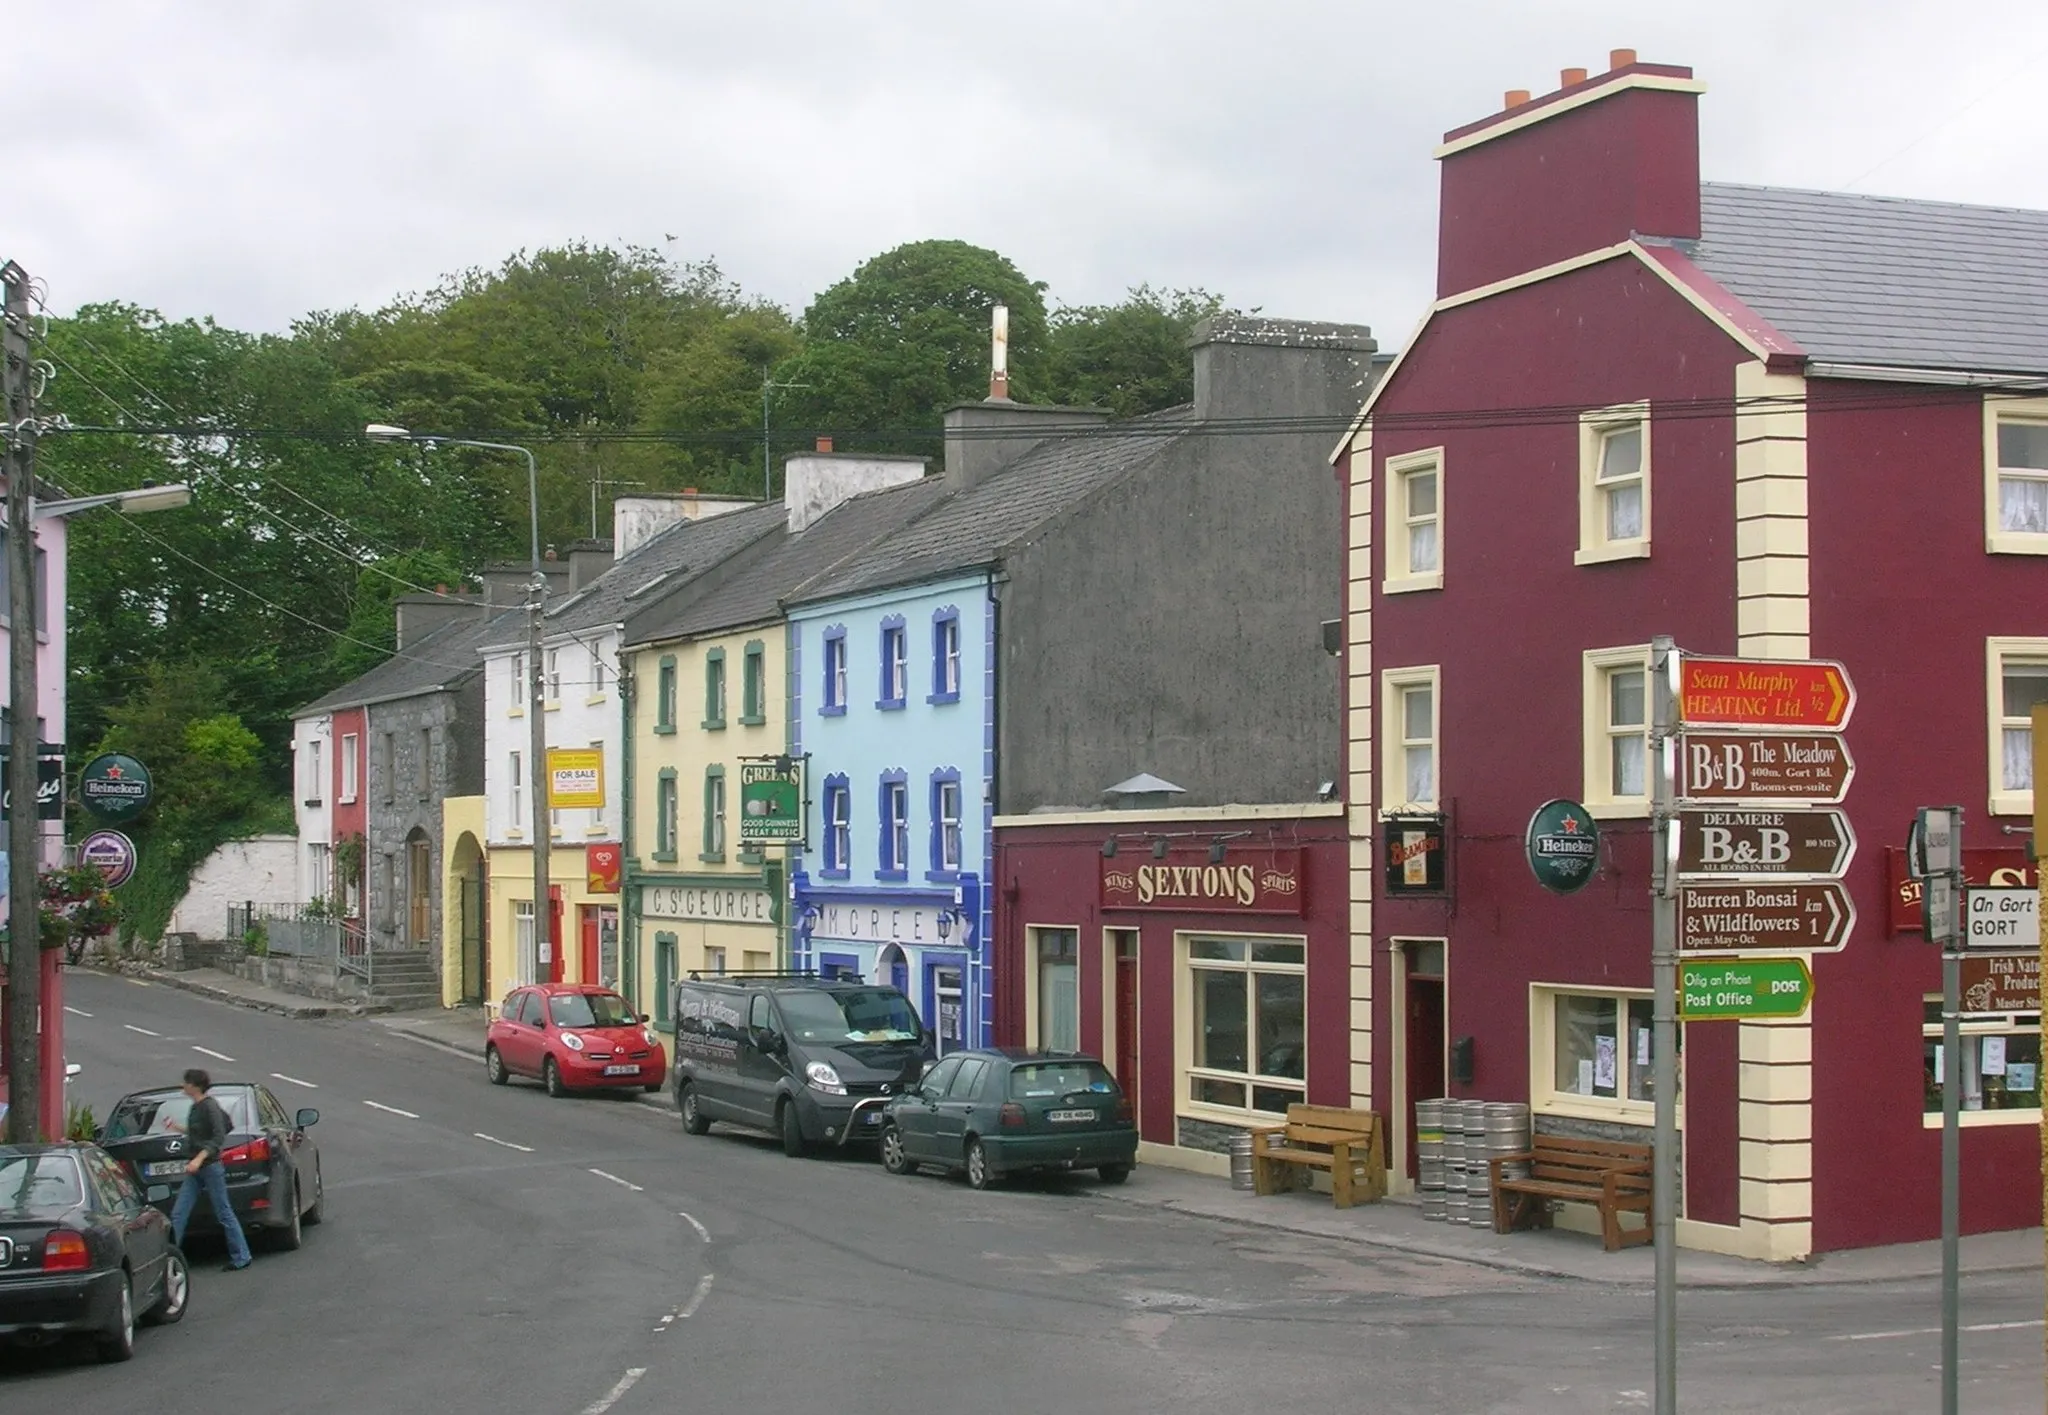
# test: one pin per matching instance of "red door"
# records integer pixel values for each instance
(587, 916)
(1127, 1013)
(1425, 1059)
(559, 942)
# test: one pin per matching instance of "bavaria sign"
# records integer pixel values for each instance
(115, 787)
(1762, 693)
(1743, 767)
(1764, 842)
(1563, 846)
(1741, 988)
(111, 853)
(1764, 918)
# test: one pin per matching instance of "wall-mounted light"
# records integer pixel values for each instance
(1159, 848)
(1109, 848)
(1216, 850)
(1327, 791)
(1333, 637)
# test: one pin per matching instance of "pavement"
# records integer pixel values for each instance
(589, 1256)
(239, 991)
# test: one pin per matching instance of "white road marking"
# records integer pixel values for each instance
(616, 1180)
(309, 1085)
(216, 1055)
(689, 1308)
(76, 1011)
(702, 1232)
(523, 1149)
(1935, 1331)
(137, 981)
(611, 1397)
(391, 1110)
(144, 1030)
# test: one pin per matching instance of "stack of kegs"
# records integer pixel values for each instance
(1479, 1181)
(1429, 1157)
(1457, 1173)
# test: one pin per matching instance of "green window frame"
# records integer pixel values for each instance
(754, 684)
(667, 810)
(714, 689)
(664, 978)
(665, 695)
(714, 816)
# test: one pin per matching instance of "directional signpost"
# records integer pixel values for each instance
(1764, 842)
(1744, 988)
(1741, 767)
(1765, 693)
(1813, 916)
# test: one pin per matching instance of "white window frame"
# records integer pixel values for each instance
(896, 796)
(521, 689)
(597, 676)
(1996, 1024)
(1599, 733)
(554, 678)
(1402, 577)
(351, 768)
(839, 810)
(949, 825)
(949, 654)
(317, 791)
(1997, 540)
(667, 815)
(1393, 743)
(1185, 1069)
(897, 642)
(1997, 651)
(1595, 546)
(516, 795)
(1546, 1099)
(835, 672)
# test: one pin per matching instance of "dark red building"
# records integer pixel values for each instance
(1769, 423)
(351, 813)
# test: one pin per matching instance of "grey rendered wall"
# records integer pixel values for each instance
(397, 806)
(1173, 624)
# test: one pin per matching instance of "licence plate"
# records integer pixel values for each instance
(628, 1070)
(161, 1169)
(1069, 1117)
(873, 1117)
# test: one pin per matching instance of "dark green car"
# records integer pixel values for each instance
(1005, 1111)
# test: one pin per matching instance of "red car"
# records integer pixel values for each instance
(573, 1037)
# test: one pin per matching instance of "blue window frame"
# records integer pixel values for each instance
(945, 656)
(839, 965)
(838, 832)
(895, 664)
(947, 833)
(834, 696)
(894, 855)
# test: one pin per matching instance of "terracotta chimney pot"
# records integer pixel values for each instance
(1515, 98)
(1571, 76)
(1620, 58)
(824, 444)
(689, 491)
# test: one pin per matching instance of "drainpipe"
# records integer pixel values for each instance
(985, 926)
(629, 915)
(785, 904)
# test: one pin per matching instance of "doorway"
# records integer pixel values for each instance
(419, 889)
(472, 910)
(1123, 948)
(947, 991)
(1424, 1028)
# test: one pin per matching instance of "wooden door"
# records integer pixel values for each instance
(1126, 1062)
(419, 884)
(587, 917)
(1424, 1061)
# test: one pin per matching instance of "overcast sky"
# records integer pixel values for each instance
(252, 161)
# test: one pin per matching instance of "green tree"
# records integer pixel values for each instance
(1131, 357)
(372, 627)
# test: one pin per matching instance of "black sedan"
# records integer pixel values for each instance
(81, 1252)
(1005, 1111)
(273, 1167)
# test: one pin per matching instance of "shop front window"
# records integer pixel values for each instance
(1594, 1049)
(2001, 1057)
(1247, 1014)
(1059, 989)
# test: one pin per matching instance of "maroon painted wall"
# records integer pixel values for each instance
(1591, 177)
(1508, 630)
(1047, 876)
(351, 818)
(1905, 595)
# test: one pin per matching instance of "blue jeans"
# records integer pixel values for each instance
(215, 1181)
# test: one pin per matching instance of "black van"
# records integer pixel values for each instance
(809, 1058)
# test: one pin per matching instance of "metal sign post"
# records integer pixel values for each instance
(1937, 849)
(1664, 679)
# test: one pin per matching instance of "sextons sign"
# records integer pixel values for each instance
(1265, 882)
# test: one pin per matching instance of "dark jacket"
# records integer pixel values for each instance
(207, 1127)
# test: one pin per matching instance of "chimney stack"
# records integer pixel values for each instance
(824, 444)
(1514, 98)
(999, 354)
(1567, 77)
(1620, 59)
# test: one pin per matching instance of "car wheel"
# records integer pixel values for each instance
(551, 1077)
(694, 1122)
(313, 1215)
(117, 1343)
(792, 1127)
(979, 1175)
(894, 1159)
(651, 1087)
(1114, 1173)
(494, 1067)
(288, 1238)
(177, 1291)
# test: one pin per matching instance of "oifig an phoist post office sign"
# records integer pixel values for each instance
(1764, 693)
(115, 787)
(1746, 843)
(1805, 917)
(1793, 768)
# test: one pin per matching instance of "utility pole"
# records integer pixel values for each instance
(2040, 750)
(768, 386)
(1664, 672)
(599, 479)
(24, 829)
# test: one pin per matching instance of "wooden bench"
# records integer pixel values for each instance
(1614, 1176)
(1351, 1144)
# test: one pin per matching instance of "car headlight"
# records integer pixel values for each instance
(822, 1077)
(652, 1040)
(572, 1041)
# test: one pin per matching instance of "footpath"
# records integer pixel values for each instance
(1392, 1225)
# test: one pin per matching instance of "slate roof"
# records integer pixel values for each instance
(438, 662)
(754, 584)
(674, 557)
(975, 527)
(1882, 280)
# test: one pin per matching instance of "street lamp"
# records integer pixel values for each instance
(537, 740)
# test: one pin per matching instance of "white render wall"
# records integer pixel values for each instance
(582, 716)
(315, 821)
(264, 869)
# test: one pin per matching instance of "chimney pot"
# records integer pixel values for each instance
(1571, 76)
(1620, 58)
(689, 491)
(1515, 98)
(824, 444)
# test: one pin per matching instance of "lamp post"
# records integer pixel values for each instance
(536, 698)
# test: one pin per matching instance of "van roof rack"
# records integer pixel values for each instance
(698, 975)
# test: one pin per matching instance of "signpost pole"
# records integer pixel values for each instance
(1664, 667)
(1951, 1164)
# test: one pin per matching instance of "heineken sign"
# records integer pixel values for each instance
(772, 800)
(114, 787)
(1563, 846)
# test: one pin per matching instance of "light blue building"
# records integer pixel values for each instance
(892, 699)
